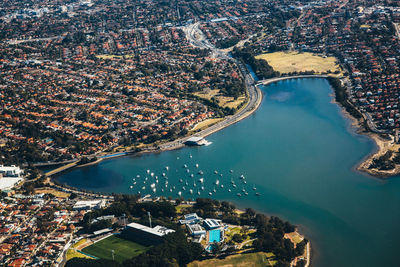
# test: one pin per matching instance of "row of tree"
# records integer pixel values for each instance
(260, 66)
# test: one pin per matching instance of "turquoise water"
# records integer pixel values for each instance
(215, 236)
(299, 152)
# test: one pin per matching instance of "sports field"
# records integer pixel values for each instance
(123, 249)
(286, 62)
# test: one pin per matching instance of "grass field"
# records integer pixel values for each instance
(181, 207)
(242, 260)
(54, 192)
(223, 101)
(72, 253)
(123, 249)
(295, 237)
(286, 62)
(206, 123)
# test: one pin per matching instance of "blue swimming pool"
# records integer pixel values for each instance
(214, 236)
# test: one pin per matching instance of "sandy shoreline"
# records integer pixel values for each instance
(382, 146)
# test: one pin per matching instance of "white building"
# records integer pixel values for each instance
(89, 204)
(10, 176)
(11, 171)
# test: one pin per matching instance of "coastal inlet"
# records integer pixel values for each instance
(299, 151)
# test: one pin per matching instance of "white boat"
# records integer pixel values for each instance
(180, 180)
(201, 180)
(138, 176)
(163, 174)
(201, 172)
(229, 190)
(152, 174)
(192, 175)
(184, 166)
(148, 171)
(198, 192)
(234, 185)
(215, 172)
(210, 193)
(131, 186)
(214, 190)
(238, 194)
(190, 156)
(246, 193)
(153, 185)
(231, 171)
(222, 186)
(217, 182)
(143, 188)
(197, 165)
(187, 170)
(191, 191)
(202, 188)
(179, 193)
(254, 188)
(242, 177)
(167, 168)
(183, 188)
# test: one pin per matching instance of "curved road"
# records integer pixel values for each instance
(197, 38)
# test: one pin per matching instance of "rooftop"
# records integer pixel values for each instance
(158, 230)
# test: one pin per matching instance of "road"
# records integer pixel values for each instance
(197, 39)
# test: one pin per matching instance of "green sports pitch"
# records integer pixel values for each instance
(123, 249)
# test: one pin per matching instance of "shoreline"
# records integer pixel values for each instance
(381, 146)
(179, 143)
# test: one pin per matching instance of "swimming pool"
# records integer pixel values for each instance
(214, 236)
